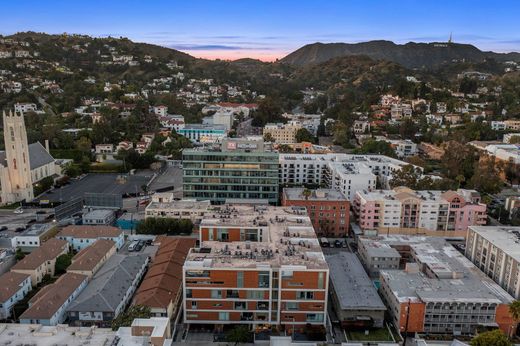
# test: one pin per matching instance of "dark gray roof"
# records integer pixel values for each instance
(38, 156)
(351, 283)
(108, 287)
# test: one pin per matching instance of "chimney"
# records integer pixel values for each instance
(47, 145)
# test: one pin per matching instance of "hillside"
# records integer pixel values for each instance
(410, 55)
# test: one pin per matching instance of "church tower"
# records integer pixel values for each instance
(19, 184)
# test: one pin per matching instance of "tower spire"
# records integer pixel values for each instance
(451, 38)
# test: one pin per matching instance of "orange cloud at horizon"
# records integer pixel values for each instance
(267, 56)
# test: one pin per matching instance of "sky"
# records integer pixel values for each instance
(267, 29)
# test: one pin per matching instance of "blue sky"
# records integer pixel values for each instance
(269, 29)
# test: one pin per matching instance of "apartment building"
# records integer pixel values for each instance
(403, 210)
(189, 209)
(236, 169)
(436, 290)
(88, 261)
(345, 172)
(42, 260)
(200, 133)
(283, 133)
(256, 265)
(109, 291)
(161, 289)
(403, 148)
(328, 209)
(13, 288)
(81, 236)
(495, 250)
(48, 306)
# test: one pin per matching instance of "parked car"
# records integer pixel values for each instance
(132, 246)
(149, 242)
(18, 210)
(337, 243)
(3, 228)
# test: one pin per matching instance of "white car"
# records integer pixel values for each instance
(18, 211)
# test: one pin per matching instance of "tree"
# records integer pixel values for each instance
(62, 263)
(458, 159)
(19, 254)
(408, 176)
(408, 129)
(84, 145)
(269, 110)
(165, 226)
(303, 135)
(239, 334)
(135, 311)
(268, 137)
(376, 147)
(514, 310)
(491, 338)
(486, 178)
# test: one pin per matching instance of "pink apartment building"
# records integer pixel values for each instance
(403, 210)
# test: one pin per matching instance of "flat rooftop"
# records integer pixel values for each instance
(38, 335)
(438, 273)
(288, 239)
(181, 204)
(98, 214)
(506, 238)
(351, 283)
(315, 195)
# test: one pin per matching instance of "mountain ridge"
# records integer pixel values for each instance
(410, 55)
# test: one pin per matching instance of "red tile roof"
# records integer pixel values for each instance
(163, 281)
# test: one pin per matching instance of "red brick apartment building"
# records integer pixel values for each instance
(257, 265)
(327, 208)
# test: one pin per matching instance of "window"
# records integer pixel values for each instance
(255, 295)
(292, 306)
(314, 317)
(305, 295)
(321, 280)
(263, 279)
(262, 305)
(223, 316)
(240, 279)
(216, 294)
(240, 306)
(193, 305)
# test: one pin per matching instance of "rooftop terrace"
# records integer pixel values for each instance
(288, 239)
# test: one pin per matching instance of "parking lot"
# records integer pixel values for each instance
(11, 220)
(99, 183)
(171, 177)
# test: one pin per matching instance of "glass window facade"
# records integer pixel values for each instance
(217, 176)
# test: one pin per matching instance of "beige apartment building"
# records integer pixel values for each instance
(283, 133)
(495, 250)
(42, 261)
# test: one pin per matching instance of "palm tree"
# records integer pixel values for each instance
(514, 310)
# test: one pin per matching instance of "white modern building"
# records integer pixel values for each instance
(345, 172)
(403, 148)
(496, 251)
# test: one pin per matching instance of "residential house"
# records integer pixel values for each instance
(109, 291)
(13, 288)
(48, 306)
(42, 260)
(81, 236)
(90, 259)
